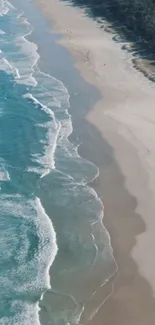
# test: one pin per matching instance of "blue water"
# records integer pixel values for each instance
(49, 216)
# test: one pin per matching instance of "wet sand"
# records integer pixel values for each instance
(125, 117)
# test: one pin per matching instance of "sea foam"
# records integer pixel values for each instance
(53, 128)
(3, 8)
(28, 274)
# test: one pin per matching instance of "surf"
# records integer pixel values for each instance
(46, 196)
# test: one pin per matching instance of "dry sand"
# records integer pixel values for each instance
(126, 118)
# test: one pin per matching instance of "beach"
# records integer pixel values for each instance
(124, 117)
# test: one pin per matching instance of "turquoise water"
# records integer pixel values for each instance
(49, 216)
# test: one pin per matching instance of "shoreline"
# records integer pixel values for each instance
(136, 183)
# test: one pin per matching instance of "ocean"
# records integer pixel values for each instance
(51, 232)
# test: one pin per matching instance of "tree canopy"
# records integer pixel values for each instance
(136, 16)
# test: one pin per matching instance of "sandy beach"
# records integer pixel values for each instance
(125, 118)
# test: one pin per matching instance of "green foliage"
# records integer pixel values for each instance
(137, 16)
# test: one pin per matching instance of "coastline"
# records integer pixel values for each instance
(121, 133)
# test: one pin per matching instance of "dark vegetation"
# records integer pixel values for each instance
(135, 18)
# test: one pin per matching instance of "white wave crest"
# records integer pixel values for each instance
(27, 314)
(38, 103)
(34, 272)
(22, 69)
(47, 161)
(4, 174)
(2, 32)
(30, 55)
(10, 5)
(56, 88)
(33, 212)
(6, 66)
(45, 230)
(3, 10)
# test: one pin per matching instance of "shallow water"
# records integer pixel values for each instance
(49, 216)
